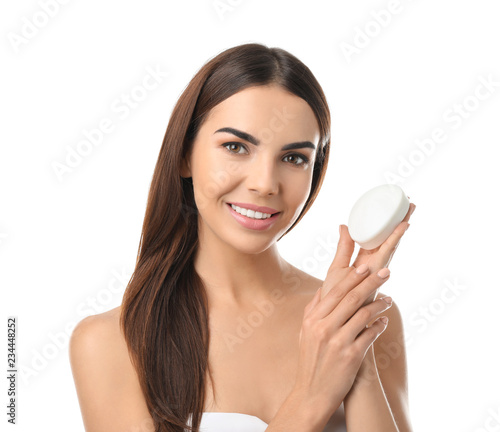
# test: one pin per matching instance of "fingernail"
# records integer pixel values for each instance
(388, 300)
(362, 269)
(385, 320)
(383, 273)
(340, 229)
(407, 227)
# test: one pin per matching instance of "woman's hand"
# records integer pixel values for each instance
(334, 338)
(377, 258)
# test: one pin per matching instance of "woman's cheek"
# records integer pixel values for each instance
(301, 185)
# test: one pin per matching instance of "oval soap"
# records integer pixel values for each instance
(376, 214)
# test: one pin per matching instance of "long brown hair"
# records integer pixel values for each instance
(164, 314)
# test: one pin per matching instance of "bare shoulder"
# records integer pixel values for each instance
(106, 383)
(391, 359)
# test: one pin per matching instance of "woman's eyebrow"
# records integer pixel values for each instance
(251, 139)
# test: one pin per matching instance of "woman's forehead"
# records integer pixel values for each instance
(263, 110)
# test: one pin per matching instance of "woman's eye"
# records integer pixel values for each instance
(295, 155)
(230, 146)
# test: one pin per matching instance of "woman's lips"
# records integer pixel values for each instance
(254, 207)
(254, 224)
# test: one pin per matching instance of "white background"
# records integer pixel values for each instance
(68, 246)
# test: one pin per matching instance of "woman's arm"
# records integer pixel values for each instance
(106, 384)
(378, 400)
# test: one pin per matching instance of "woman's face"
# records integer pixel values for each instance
(243, 154)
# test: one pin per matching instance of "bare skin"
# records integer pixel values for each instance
(255, 371)
(264, 365)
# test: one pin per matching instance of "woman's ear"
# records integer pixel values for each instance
(185, 169)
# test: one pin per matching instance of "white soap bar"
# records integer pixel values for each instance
(376, 213)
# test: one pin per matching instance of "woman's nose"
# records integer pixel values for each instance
(262, 176)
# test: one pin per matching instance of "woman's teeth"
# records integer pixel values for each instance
(250, 213)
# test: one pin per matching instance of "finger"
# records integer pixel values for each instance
(369, 335)
(393, 240)
(353, 300)
(345, 248)
(392, 254)
(390, 258)
(337, 292)
(410, 211)
(389, 246)
(364, 316)
(364, 255)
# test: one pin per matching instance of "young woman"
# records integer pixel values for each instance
(216, 329)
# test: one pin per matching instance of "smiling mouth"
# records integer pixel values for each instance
(272, 214)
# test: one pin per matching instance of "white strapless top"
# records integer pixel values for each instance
(230, 422)
(237, 422)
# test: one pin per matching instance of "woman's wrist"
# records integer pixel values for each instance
(312, 414)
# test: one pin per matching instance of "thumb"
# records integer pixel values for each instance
(345, 249)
